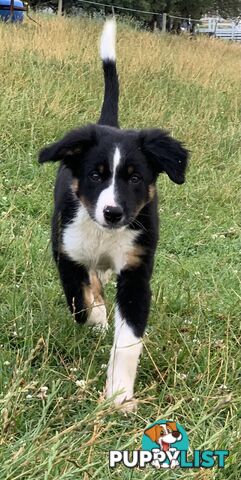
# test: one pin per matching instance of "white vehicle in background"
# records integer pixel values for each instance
(219, 28)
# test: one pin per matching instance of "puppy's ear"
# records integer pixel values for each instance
(70, 147)
(172, 425)
(153, 432)
(164, 153)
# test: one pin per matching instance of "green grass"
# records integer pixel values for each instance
(191, 366)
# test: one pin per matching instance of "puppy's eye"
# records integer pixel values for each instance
(95, 176)
(135, 178)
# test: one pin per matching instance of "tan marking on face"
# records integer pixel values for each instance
(151, 194)
(75, 185)
(77, 150)
(130, 169)
(140, 207)
(152, 191)
(84, 201)
(67, 152)
(134, 257)
(93, 295)
(100, 168)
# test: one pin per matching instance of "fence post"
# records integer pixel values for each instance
(11, 10)
(60, 7)
(164, 22)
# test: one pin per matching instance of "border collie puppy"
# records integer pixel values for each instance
(105, 217)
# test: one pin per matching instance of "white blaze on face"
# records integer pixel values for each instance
(107, 196)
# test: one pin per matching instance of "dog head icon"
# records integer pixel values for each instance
(164, 434)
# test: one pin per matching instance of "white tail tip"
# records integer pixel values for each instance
(107, 41)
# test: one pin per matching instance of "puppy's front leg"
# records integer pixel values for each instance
(83, 292)
(133, 301)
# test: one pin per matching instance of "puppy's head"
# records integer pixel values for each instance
(114, 171)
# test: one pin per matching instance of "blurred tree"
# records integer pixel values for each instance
(184, 8)
(192, 8)
(195, 9)
(227, 8)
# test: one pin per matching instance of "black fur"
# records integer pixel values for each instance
(109, 111)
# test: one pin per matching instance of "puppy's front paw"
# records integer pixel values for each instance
(126, 405)
(129, 406)
(98, 317)
(124, 400)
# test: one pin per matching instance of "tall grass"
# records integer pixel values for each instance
(53, 428)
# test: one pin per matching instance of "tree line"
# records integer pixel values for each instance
(182, 8)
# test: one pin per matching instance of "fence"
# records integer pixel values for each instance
(165, 22)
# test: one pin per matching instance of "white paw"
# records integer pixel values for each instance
(129, 406)
(119, 383)
(120, 397)
(126, 403)
(98, 317)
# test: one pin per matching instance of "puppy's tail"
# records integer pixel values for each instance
(109, 111)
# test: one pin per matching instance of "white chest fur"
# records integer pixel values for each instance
(88, 244)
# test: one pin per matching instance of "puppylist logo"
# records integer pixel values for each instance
(165, 444)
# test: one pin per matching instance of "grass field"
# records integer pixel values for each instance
(53, 428)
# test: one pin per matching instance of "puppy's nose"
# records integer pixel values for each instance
(175, 434)
(113, 214)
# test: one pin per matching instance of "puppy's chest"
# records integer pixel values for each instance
(87, 244)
